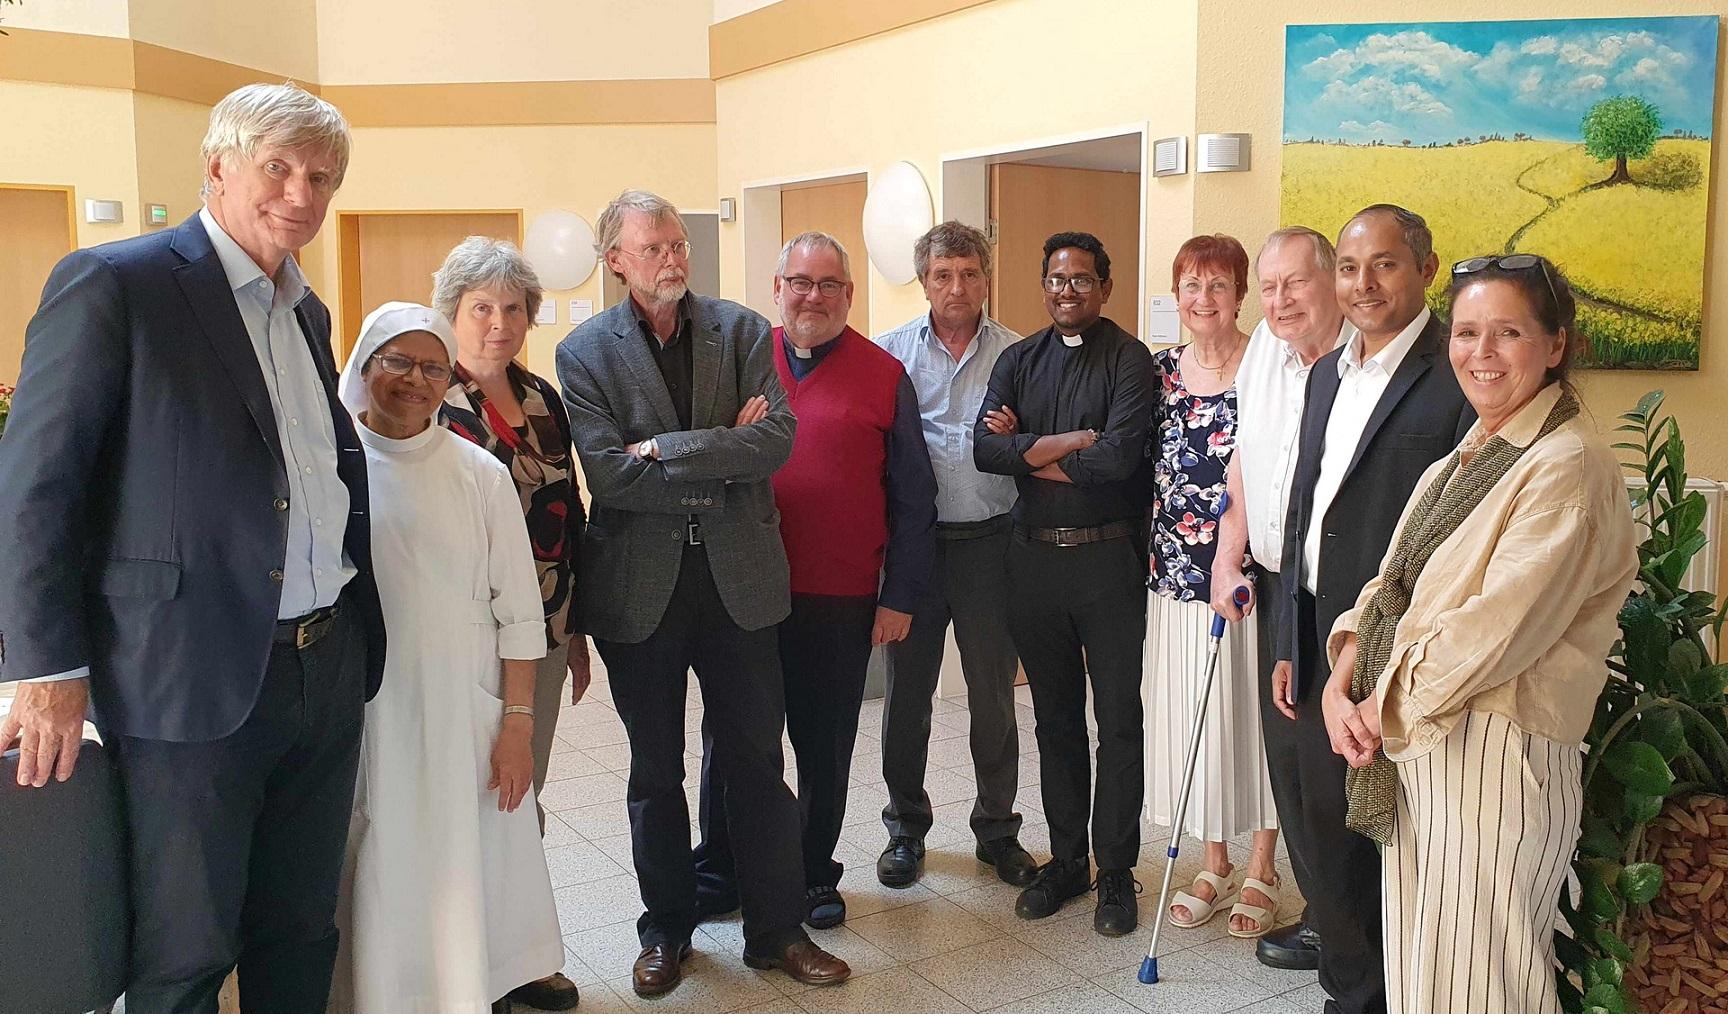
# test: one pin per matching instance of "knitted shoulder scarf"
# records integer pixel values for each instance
(1445, 504)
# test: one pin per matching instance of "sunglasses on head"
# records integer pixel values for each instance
(1508, 262)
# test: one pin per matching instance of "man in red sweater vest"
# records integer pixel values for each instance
(857, 504)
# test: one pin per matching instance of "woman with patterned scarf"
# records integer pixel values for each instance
(1465, 678)
(491, 295)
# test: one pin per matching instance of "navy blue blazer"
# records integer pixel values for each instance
(144, 494)
(1419, 419)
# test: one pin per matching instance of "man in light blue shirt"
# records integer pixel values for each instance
(949, 354)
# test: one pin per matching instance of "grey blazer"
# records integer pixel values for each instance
(715, 471)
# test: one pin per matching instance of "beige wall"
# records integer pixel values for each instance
(170, 171)
(418, 41)
(280, 36)
(97, 158)
(1246, 39)
(86, 17)
(985, 77)
(532, 168)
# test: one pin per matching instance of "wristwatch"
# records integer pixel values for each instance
(647, 449)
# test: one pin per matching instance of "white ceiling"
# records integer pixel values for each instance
(1111, 154)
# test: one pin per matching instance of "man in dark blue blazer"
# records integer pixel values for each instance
(187, 553)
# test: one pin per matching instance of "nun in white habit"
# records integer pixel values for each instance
(447, 905)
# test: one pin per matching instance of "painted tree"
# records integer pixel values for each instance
(1621, 128)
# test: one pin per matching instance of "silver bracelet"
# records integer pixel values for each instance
(518, 709)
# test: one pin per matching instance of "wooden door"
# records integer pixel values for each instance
(1029, 203)
(838, 210)
(39, 229)
(392, 255)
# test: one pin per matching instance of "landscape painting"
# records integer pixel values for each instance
(1585, 140)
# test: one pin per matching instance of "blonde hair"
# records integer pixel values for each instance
(282, 114)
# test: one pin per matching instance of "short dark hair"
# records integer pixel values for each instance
(1550, 297)
(1079, 241)
(1417, 236)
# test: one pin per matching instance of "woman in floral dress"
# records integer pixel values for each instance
(1193, 435)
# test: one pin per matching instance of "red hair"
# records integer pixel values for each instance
(1219, 253)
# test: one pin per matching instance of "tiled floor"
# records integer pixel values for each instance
(951, 943)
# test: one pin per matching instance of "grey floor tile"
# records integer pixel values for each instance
(579, 863)
(923, 930)
(895, 990)
(584, 790)
(1075, 998)
(1186, 986)
(990, 973)
(599, 903)
(570, 763)
(597, 820)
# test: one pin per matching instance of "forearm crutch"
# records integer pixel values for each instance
(1149, 967)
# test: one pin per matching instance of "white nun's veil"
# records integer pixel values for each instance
(383, 324)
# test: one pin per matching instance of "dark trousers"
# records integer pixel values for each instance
(825, 656)
(739, 673)
(968, 587)
(1337, 869)
(237, 844)
(1079, 612)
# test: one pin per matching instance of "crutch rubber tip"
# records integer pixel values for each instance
(1149, 970)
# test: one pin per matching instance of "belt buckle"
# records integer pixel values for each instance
(692, 532)
(1066, 536)
(303, 635)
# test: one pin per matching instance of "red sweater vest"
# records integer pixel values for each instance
(832, 492)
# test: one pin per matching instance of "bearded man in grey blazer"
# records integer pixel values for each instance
(679, 421)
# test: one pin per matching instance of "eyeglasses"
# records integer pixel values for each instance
(660, 251)
(398, 365)
(804, 286)
(1508, 262)
(1079, 283)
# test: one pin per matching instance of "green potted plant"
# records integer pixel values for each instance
(1649, 927)
(6, 393)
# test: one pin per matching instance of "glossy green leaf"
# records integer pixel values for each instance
(1640, 883)
(1639, 767)
(1663, 729)
(1639, 808)
(1610, 943)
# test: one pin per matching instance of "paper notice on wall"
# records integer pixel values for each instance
(581, 310)
(1163, 325)
(548, 312)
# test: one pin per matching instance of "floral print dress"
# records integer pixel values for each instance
(1192, 438)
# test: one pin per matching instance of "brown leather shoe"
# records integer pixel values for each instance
(805, 962)
(656, 970)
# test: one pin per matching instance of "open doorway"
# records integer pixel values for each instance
(1021, 194)
(386, 255)
(774, 211)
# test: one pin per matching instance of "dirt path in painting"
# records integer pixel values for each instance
(1553, 204)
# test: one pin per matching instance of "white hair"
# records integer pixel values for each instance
(814, 240)
(284, 114)
(481, 262)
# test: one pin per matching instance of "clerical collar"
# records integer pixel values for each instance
(1073, 341)
(800, 353)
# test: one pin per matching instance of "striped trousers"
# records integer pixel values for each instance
(1486, 825)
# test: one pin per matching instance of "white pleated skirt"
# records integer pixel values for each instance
(1486, 825)
(1232, 794)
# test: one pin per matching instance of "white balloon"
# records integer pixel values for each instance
(560, 246)
(896, 213)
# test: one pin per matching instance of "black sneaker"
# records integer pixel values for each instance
(902, 862)
(823, 908)
(1056, 882)
(1118, 912)
(1295, 947)
(1014, 865)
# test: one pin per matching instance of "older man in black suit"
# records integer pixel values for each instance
(186, 547)
(1380, 409)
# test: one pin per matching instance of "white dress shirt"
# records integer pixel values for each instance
(1271, 386)
(1360, 385)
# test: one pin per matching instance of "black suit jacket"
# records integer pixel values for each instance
(1420, 418)
(144, 493)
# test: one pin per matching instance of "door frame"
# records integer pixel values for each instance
(965, 190)
(348, 304)
(71, 193)
(759, 213)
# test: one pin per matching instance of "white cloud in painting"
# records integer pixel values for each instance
(1531, 82)
(1497, 65)
(1605, 53)
(1377, 129)
(1417, 52)
(1541, 45)
(1588, 83)
(1323, 39)
(1376, 94)
(1338, 64)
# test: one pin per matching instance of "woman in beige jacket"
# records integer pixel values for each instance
(1465, 678)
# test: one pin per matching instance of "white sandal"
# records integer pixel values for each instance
(1261, 917)
(1201, 912)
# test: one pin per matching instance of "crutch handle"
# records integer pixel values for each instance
(1240, 596)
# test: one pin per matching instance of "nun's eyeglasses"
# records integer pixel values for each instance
(396, 364)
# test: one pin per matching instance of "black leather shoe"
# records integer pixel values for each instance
(902, 862)
(1014, 865)
(1295, 947)
(823, 908)
(1118, 913)
(555, 992)
(1056, 882)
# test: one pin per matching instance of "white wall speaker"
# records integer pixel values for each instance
(1222, 153)
(1170, 156)
(101, 212)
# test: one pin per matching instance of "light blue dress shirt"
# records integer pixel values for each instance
(949, 396)
(315, 567)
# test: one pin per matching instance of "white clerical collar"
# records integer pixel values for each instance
(801, 353)
(1073, 341)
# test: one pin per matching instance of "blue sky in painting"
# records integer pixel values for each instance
(1437, 81)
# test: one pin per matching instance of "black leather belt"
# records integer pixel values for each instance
(305, 631)
(959, 531)
(1077, 536)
